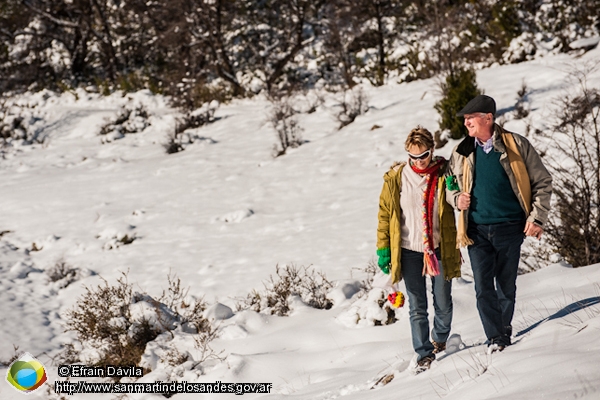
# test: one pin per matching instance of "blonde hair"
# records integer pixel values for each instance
(421, 137)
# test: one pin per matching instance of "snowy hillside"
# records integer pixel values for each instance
(223, 213)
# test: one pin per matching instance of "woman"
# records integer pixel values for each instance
(416, 237)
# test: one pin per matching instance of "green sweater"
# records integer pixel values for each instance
(492, 199)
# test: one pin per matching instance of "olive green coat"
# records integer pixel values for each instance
(390, 217)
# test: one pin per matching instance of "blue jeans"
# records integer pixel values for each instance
(495, 255)
(416, 289)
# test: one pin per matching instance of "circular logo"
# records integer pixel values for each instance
(26, 374)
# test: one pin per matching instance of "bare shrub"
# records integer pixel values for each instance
(17, 125)
(179, 139)
(200, 117)
(174, 143)
(174, 357)
(282, 118)
(367, 284)
(390, 313)
(11, 359)
(309, 101)
(103, 320)
(312, 287)
(573, 229)
(63, 273)
(114, 324)
(354, 102)
(202, 343)
(371, 309)
(253, 301)
(189, 312)
(367, 295)
(119, 240)
(129, 120)
(194, 94)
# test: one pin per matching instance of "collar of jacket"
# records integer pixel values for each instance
(393, 171)
(467, 146)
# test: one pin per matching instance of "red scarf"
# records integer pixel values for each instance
(430, 262)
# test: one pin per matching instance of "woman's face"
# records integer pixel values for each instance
(420, 156)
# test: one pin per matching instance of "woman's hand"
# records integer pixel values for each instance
(385, 259)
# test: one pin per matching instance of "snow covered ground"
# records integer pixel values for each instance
(223, 213)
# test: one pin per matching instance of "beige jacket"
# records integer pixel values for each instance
(539, 179)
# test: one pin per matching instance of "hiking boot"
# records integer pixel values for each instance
(494, 347)
(424, 363)
(438, 347)
(497, 344)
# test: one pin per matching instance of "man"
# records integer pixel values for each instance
(502, 190)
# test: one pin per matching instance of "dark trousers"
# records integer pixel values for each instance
(495, 255)
(416, 289)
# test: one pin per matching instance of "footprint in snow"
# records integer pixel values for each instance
(236, 216)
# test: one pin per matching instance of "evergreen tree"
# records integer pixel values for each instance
(457, 90)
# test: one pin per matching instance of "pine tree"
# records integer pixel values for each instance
(458, 89)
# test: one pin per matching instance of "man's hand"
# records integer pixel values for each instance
(534, 230)
(464, 201)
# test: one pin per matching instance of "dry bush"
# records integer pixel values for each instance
(202, 343)
(174, 143)
(128, 121)
(63, 273)
(368, 294)
(113, 324)
(368, 297)
(202, 116)
(573, 229)
(16, 354)
(118, 241)
(312, 287)
(193, 94)
(354, 102)
(282, 118)
(189, 312)
(309, 101)
(174, 357)
(367, 284)
(179, 139)
(17, 125)
(390, 312)
(103, 320)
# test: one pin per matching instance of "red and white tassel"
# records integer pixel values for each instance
(431, 265)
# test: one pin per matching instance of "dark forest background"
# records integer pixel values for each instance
(201, 50)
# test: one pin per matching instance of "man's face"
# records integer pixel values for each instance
(479, 125)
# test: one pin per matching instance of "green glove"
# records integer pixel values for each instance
(451, 183)
(385, 259)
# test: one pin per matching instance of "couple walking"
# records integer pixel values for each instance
(495, 179)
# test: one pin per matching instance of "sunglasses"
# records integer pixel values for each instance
(421, 156)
